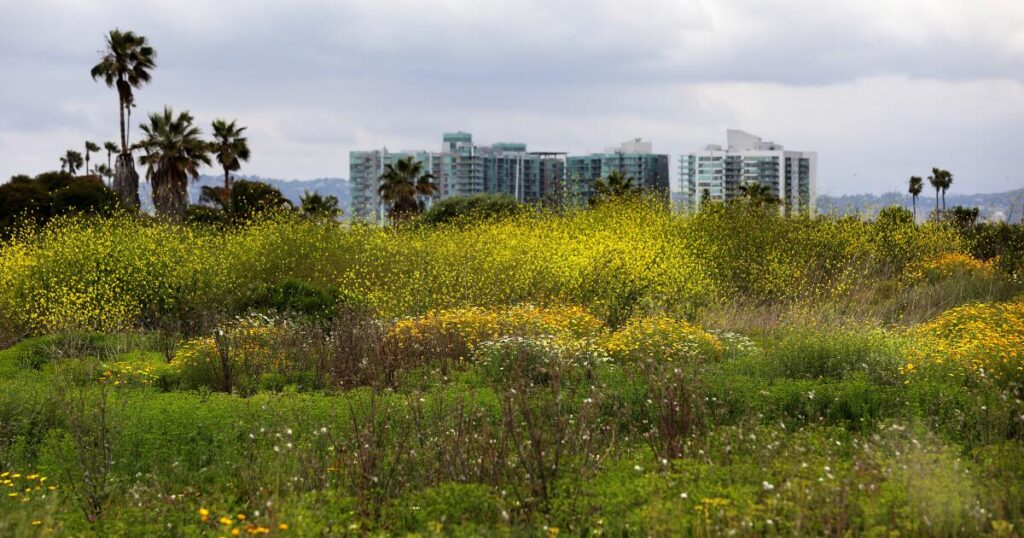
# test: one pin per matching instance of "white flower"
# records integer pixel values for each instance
(767, 486)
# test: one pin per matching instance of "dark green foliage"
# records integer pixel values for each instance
(989, 240)
(315, 205)
(85, 195)
(249, 198)
(474, 208)
(199, 214)
(23, 200)
(292, 296)
(49, 194)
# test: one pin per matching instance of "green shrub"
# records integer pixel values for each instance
(836, 354)
(473, 208)
(293, 296)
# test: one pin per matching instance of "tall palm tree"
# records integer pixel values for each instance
(403, 184)
(125, 65)
(947, 182)
(173, 153)
(90, 147)
(71, 161)
(936, 181)
(915, 188)
(111, 148)
(230, 147)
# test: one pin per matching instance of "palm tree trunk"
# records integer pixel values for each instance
(126, 181)
(86, 162)
(913, 200)
(124, 139)
(943, 200)
(227, 179)
(936, 204)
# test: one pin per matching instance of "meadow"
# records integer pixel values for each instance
(619, 371)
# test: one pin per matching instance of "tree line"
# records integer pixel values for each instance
(172, 150)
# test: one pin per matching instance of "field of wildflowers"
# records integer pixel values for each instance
(612, 371)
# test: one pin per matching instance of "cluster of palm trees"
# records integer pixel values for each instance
(72, 160)
(941, 180)
(173, 149)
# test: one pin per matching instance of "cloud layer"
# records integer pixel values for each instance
(882, 89)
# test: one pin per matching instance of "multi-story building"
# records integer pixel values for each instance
(716, 173)
(634, 159)
(461, 168)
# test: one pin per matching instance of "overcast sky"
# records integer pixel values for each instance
(881, 89)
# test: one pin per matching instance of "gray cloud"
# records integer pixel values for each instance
(881, 89)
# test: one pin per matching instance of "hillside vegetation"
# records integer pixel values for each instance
(620, 370)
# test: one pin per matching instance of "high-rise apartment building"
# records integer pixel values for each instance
(461, 168)
(716, 173)
(634, 159)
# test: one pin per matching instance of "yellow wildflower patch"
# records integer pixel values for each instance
(454, 333)
(661, 338)
(984, 338)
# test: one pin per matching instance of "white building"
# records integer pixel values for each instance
(716, 173)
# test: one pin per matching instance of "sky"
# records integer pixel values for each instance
(881, 89)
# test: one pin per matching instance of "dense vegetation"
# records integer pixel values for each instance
(619, 370)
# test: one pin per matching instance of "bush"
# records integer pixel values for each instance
(236, 358)
(35, 201)
(293, 296)
(452, 334)
(524, 361)
(473, 208)
(249, 198)
(836, 354)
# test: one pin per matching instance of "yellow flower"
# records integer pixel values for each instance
(283, 526)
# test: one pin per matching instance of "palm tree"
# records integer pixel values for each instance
(318, 206)
(947, 182)
(126, 64)
(71, 161)
(402, 184)
(90, 147)
(103, 171)
(230, 147)
(916, 185)
(936, 181)
(758, 193)
(111, 148)
(615, 185)
(174, 152)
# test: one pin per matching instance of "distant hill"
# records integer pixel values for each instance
(999, 206)
(292, 189)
